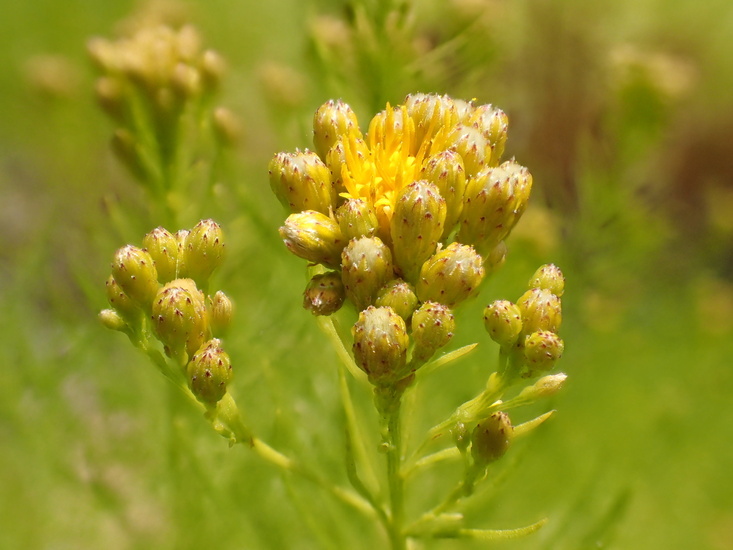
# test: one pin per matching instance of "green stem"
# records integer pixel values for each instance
(394, 475)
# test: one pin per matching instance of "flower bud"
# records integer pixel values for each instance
(430, 112)
(324, 294)
(416, 226)
(366, 266)
(503, 322)
(547, 386)
(221, 310)
(549, 277)
(450, 276)
(541, 310)
(445, 170)
(112, 320)
(471, 144)
(432, 328)
(212, 68)
(494, 201)
(163, 248)
(542, 349)
(356, 219)
(122, 303)
(209, 372)
(301, 181)
(314, 237)
(380, 344)
(491, 438)
(332, 120)
(180, 319)
(203, 251)
(400, 296)
(134, 271)
(493, 124)
(227, 127)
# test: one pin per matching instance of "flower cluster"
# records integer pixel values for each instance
(159, 291)
(407, 220)
(149, 81)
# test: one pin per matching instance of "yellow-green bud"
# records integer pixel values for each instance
(112, 320)
(550, 278)
(180, 319)
(227, 126)
(221, 310)
(209, 372)
(301, 181)
(400, 296)
(461, 437)
(380, 344)
(541, 310)
(416, 226)
(430, 112)
(163, 248)
(332, 120)
(213, 68)
(503, 322)
(203, 251)
(546, 386)
(491, 438)
(324, 294)
(366, 266)
(432, 328)
(494, 125)
(542, 349)
(471, 144)
(134, 271)
(445, 170)
(122, 303)
(314, 237)
(494, 201)
(356, 219)
(450, 276)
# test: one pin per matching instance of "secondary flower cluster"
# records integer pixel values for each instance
(158, 288)
(406, 220)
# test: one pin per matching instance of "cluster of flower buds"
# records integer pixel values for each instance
(407, 219)
(527, 330)
(148, 81)
(159, 289)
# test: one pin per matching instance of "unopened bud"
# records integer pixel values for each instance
(366, 265)
(203, 251)
(134, 271)
(122, 303)
(112, 320)
(493, 124)
(221, 309)
(451, 275)
(430, 112)
(547, 386)
(503, 322)
(356, 218)
(212, 68)
(445, 170)
(301, 181)
(180, 319)
(227, 126)
(549, 277)
(162, 246)
(400, 296)
(491, 438)
(542, 349)
(433, 325)
(209, 372)
(471, 144)
(416, 226)
(541, 311)
(494, 201)
(324, 294)
(332, 120)
(314, 237)
(380, 344)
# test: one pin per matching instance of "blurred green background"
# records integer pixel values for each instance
(623, 113)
